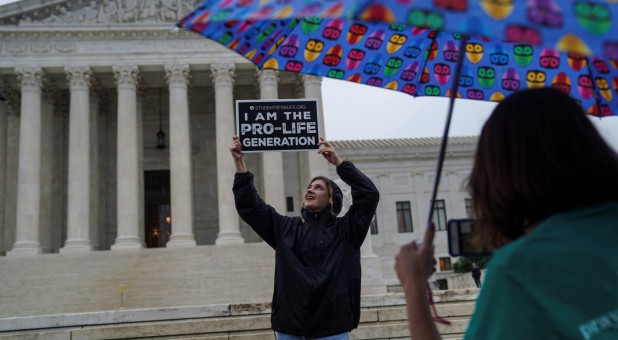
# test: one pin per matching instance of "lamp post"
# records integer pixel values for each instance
(160, 134)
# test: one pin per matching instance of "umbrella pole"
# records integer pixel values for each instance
(597, 100)
(453, 94)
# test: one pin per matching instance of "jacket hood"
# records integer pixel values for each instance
(337, 198)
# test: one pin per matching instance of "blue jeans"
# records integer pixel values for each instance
(283, 336)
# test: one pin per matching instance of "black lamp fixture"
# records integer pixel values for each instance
(160, 134)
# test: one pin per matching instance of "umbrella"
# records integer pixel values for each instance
(414, 46)
(583, 26)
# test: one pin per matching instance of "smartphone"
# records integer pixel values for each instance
(461, 235)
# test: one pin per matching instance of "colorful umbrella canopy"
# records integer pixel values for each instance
(492, 70)
(585, 27)
(414, 60)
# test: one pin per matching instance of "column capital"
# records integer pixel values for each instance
(177, 74)
(268, 77)
(79, 77)
(31, 78)
(311, 79)
(223, 74)
(126, 75)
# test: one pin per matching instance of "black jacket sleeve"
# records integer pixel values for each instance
(261, 217)
(365, 197)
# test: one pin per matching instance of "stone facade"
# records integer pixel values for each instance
(404, 171)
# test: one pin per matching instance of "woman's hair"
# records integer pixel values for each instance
(538, 154)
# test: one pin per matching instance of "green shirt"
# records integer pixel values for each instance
(558, 282)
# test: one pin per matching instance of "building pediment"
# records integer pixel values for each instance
(100, 12)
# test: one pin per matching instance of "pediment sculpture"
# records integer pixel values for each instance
(122, 11)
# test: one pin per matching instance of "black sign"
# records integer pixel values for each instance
(277, 125)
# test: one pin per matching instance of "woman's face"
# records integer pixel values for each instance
(317, 196)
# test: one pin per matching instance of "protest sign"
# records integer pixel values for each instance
(277, 125)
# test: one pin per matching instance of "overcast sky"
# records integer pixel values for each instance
(354, 111)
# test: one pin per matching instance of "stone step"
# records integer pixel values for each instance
(250, 321)
(203, 292)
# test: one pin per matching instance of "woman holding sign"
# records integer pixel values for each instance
(317, 256)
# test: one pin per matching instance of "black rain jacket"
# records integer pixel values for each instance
(317, 257)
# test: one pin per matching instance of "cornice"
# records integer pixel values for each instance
(98, 33)
(114, 41)
(99, 12)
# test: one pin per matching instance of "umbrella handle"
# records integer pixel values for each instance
(444, 142)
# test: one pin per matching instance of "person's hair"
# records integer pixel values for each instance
(538, 154)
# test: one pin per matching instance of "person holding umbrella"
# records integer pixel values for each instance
(545, 194)
(317, 255)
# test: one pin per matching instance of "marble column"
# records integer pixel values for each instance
(141, 197)
(79, 203)
(4, 112)
(128, 176)
(181, 179)
(12, 165)
(47, 171)
(229, 225)
(272, 162)
(312, 164)
(29, 164)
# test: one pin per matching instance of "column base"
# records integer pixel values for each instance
(25, 248)
(181, 240)
(127, 243)
(227, 239)
(76, 245)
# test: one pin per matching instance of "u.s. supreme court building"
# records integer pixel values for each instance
(84, 173)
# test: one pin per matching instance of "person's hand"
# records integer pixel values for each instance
(329, 152)
(415, 264)
(239, 157)
(236, 148)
